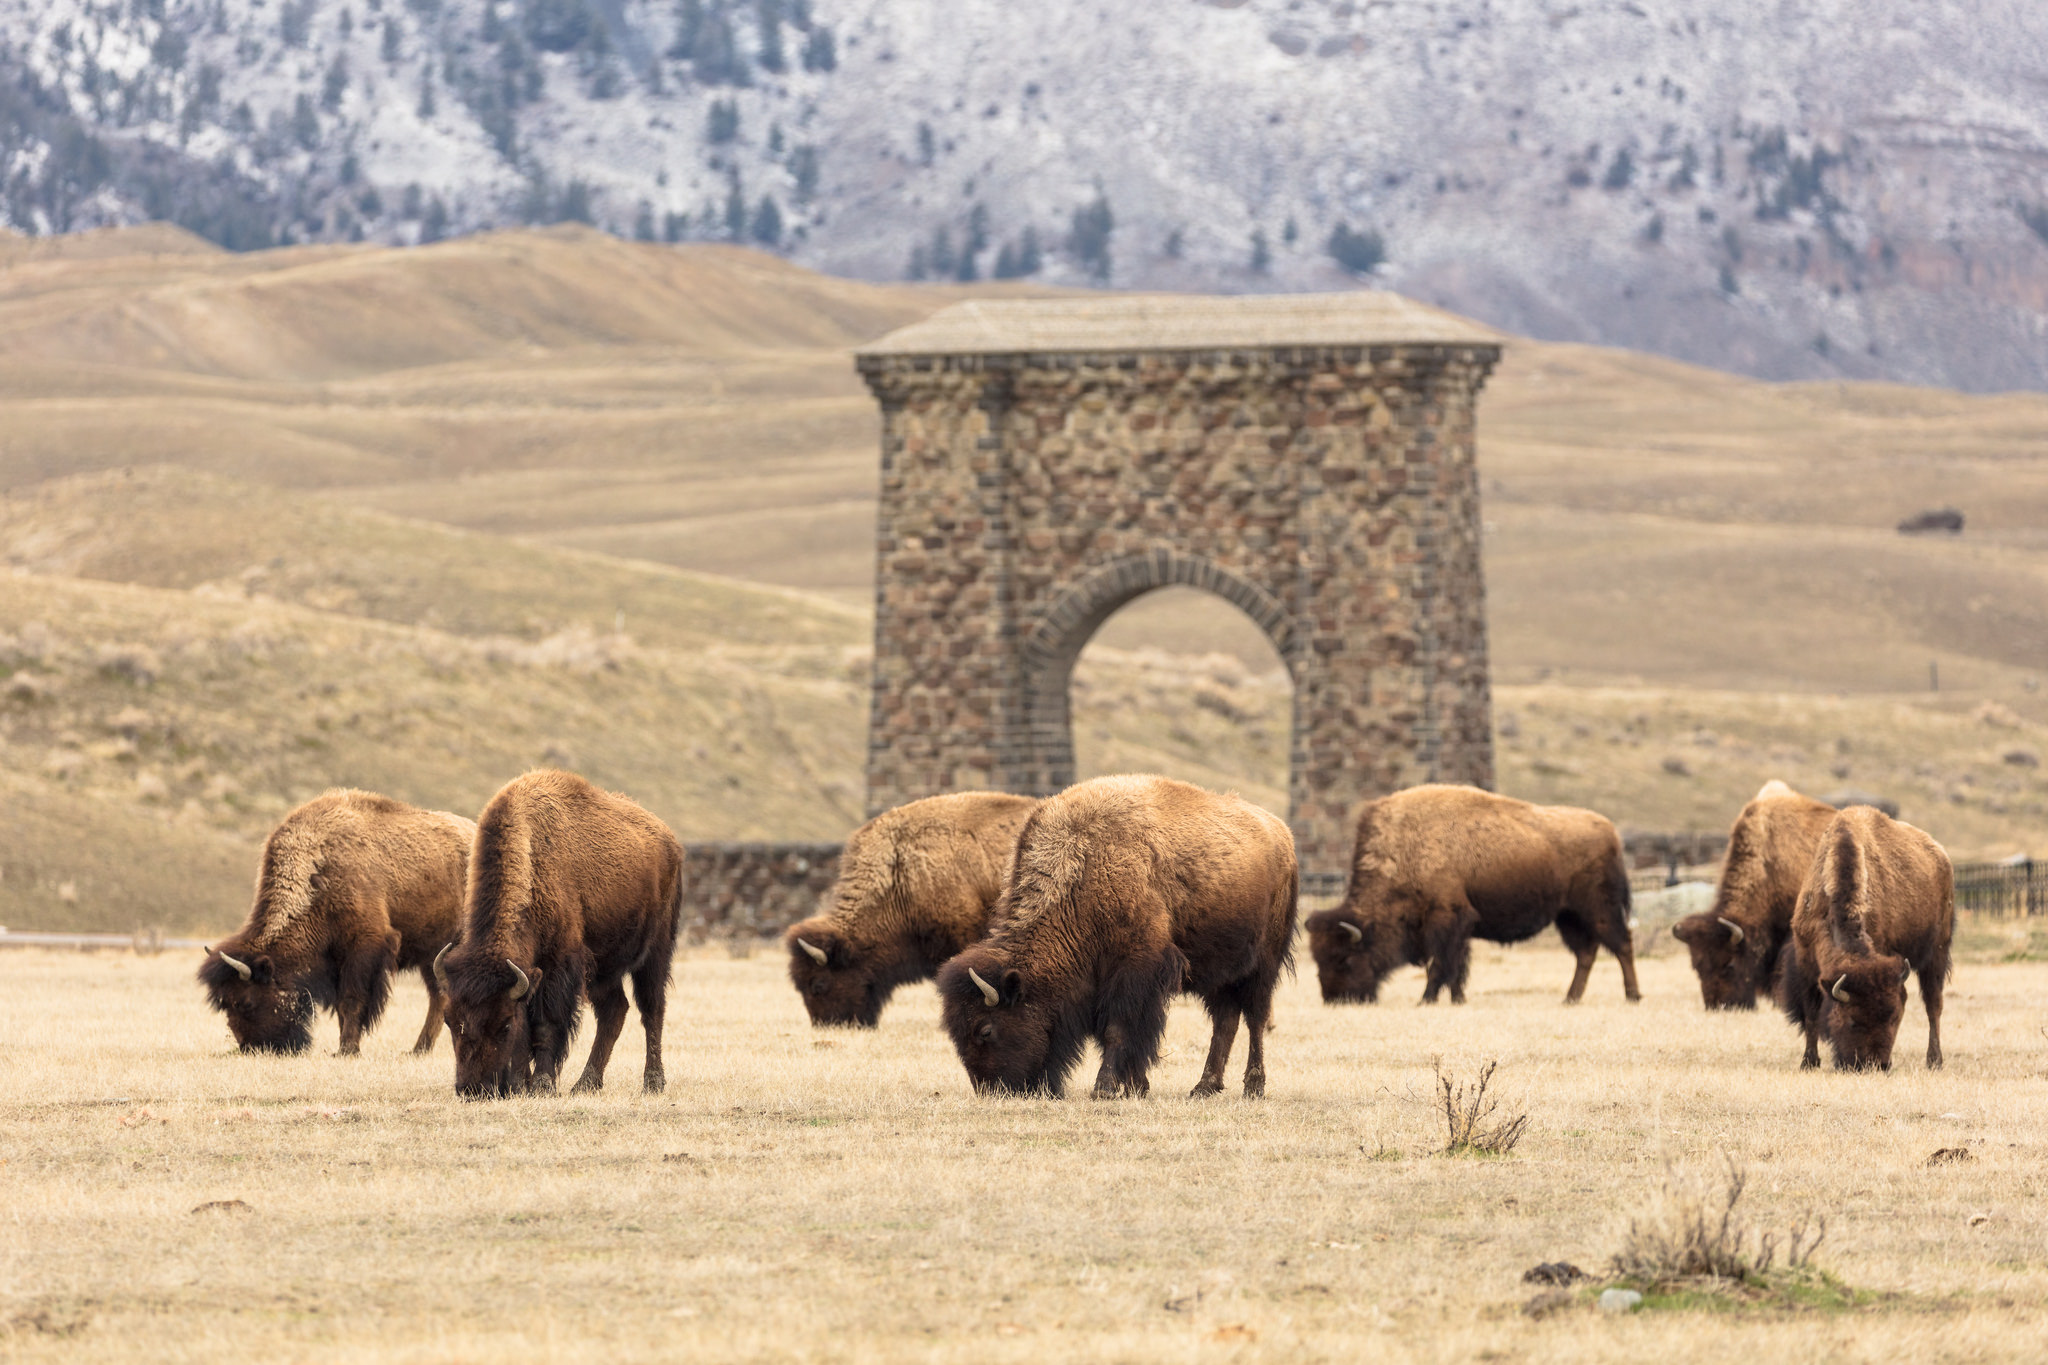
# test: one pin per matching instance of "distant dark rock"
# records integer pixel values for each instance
(1940, 519)
(1849, 796)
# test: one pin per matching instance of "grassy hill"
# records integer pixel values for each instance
(419, 519)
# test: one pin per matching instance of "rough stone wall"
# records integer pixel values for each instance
(1331, 493)
(741, 890)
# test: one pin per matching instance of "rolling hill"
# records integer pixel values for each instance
(417, 519)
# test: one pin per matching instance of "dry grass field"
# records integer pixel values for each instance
(838, 1196)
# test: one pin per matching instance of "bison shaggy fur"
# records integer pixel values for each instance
(353, 886)
(1125, 892)
(1878, 906)
(1735, 946)
(1437, 866)
(570, 889)
(915, 887)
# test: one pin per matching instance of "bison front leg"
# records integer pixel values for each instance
(1810, 1022)
(1448, 944)
(437, 1005)
(608, 1002)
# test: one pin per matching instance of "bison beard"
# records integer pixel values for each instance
(916, 885)
(1126, 891)
(353, 886)
(1437, 866)
(570, 889)
(1878, 907)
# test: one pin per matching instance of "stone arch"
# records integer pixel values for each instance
(1073, 616)
(1310, 459)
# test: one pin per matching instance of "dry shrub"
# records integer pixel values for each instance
(1470, 1115)
(1692, 1232)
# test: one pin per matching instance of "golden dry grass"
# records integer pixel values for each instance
(840, 1196)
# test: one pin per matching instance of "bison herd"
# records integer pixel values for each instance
(1050, 922)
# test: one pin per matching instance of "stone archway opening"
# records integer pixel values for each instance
(1180, 682)
(1081, 610)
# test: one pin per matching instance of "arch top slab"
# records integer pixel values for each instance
(1327, 491)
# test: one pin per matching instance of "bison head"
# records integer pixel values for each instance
(1729, 960)
(836, 985)
(487, 1022)
(1861, 1009)
(1003, 1033)
(264, 1013)
(1353, 955)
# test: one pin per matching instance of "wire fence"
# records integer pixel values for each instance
(2015, 887)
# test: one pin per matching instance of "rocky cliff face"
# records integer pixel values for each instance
(1822, 189)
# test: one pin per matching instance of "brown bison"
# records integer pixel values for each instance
(1437, 866)
(915, 887)
(1878, 906)
(353, 885)
(1125, 892)
(570, 888)
(1735, 946)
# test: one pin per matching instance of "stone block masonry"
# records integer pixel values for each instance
(1309, 459)
(743, 890)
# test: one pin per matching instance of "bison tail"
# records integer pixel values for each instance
(1291, 916)
(1618, 892)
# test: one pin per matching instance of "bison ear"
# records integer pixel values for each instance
(1013, 986)
(262, 971)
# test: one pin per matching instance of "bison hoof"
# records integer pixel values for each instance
(1205, 1088)
(587, 1084)
(1255, 1087)
(654, 1083)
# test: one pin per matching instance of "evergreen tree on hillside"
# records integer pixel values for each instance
(1089, 233)
(1358, 252)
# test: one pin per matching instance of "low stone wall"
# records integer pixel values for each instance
(753, 890)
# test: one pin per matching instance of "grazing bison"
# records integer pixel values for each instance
(352, 886)
(1124, 892)
(915, 887)
(1437, 866)
(1735, 946)
(570, 888)
(1878, 906)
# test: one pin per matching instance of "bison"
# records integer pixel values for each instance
(915, 887)
(353, 885)
(570, 888)
(1125, 891)
(1878, 906)
(1735, 946)
(1437, 866)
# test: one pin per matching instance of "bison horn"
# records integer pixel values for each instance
(1735, 935)
(238, 965)
(988, 992)
(817, 953)
(440, 972)
(519, 991)
(1837, 991)
(1357, 935)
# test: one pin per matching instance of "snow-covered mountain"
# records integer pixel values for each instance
(1831, 187)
